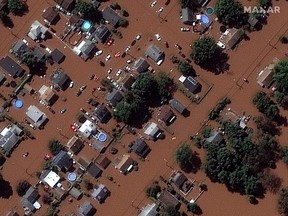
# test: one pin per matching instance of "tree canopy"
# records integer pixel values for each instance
(265, 105)
(204, 50)
(29, 59)
(153, 191)
(183, 156)
(22, 187)
(55, 146)
(85, 10)
(16, 6)
(165, 85)
(230, 12)
(283, 201)
(145, 86)
(169, 211)
(280, 75)
(185, 68)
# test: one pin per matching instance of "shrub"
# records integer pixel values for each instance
(22, 187)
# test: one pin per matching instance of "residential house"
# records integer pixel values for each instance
(215, 138)
(125, 82)
(166, 115)
(141, 65)
(154, 52)
(100, 193)
(51, 16)
(149, 210)
(181, 182)
(50, 178)
(190, 83)
(88, 129)
(140, 147)
(124, 164)
(37, 31)
(86, 209)
(114, 97)
(76, 193)
(111, 16)
(10, 67)
(265, 77)
(59, 79)
(3, 3)
(93, 170)
(187, 16)
(175, 104)
(67, 5)
(47, 95)
(232, 37)
(101, 34)
(74, 20)
(19, 48)
(29, 89)
(102, 161)
(39, 54)
(10, 137)
(84, 163)
(101, 145)
(57, 56)
(168, 199)
(62, 161)
(102, 113)
(252, 20)
(29, 200)
(152, 130)
(84, 49)
(35, 116)
(75, 145)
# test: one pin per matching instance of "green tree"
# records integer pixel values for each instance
(264, 3)
(283, 153)
(283, 201)
(85, 10)
(15, 6)
(183, 156)
(165, 85)
(185, 68)
(153, 191)
(265, 105)
(230, 12)
(265, 124)
(3, 16)
(55, 146)
(169, 211)
(193, 207)
(145, 86)
(29, 59)
(281, 76)
(22, 187)
(270, 181)
(204, 50)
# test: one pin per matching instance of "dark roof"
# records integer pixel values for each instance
(19, 47)
(87, 48)
(141, 65)
(39, 53)
(83, 163)
(74, 19)
(252, 20)
(140, 147)
(103, 161)
(62, 161)
(30, 198)
(86, 209)
(128, 81)
(177, 105)
(67, 5)
(102, 113)
(11, 67)
(168, 199)
(111, 16)
(75, 144)
(51, 15)
(191, 84)
(93, 170)
(166, 114)
(154, 53)
(100, 193)
(101, 33)
(187, 15)
(59, 78)
(57, 56)
(215, 137)
(114, 97)
(2, 78)
(178, 179)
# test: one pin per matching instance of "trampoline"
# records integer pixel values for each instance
(209, 11)
(86, 25)
(102, 137)
(72, 177)
(18, 103)
(204, 19)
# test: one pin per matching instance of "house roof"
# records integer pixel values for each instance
(48, 95)
(101, 33)
(111, 16)
(88, 128)
(9, 66)
(67, 5)
(215, 137)
(83, 162)
(149, 210)
(75, 144)
(62, 161)
(35, 115)
(86, 209)
(39, 53)
(140, 147)
(252, 20)
(93, 170)
(177, 105)
(37, 31)
(50, 177)
(190, 83)
(265, 77)
(74, 19)
(19, 47)
(102, 113)
(152, 129)
(100, 193)
(9, 137)
(178, 178)
(187, 15)
(141, 65)
(29, 198)
(103, 161)
(57, 56)
(114, 97)
(233, 37)
(166, 114)
(87, 47)
(75, 193)
(59, 78)
(50, 15)
(154, 53)
(124, 163)
(167, 199)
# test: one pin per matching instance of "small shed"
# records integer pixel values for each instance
(74, 192)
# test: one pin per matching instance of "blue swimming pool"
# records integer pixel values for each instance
(204, 19)
(86, 25)
(209, 10)
(102, 137)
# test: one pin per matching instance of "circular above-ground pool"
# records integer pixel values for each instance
(204, 19)
(72, 177)
(86, 25)
(102, 137)
(209, 10)
(18, 103)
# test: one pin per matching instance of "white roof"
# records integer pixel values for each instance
(34, 113)
(149, 210)
(87, 128)
(4, 131)
(81, 44)
(76, 50)
(43, 89)
(151, 129)
(182, 79)
(51, 179)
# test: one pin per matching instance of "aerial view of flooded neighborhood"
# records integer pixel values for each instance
(143, 107)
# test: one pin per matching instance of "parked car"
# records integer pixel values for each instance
(153, 3)
(62, 111)
(184, 29)
(220, 44)
(160, 62)
(71, 84)
(99, 52)
(160, 10)
(158, 37)
(108, 57)
(138, 37)
(178, 46)
(129, 61)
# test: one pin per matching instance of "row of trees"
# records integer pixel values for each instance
(145, 91)
(265, 105)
